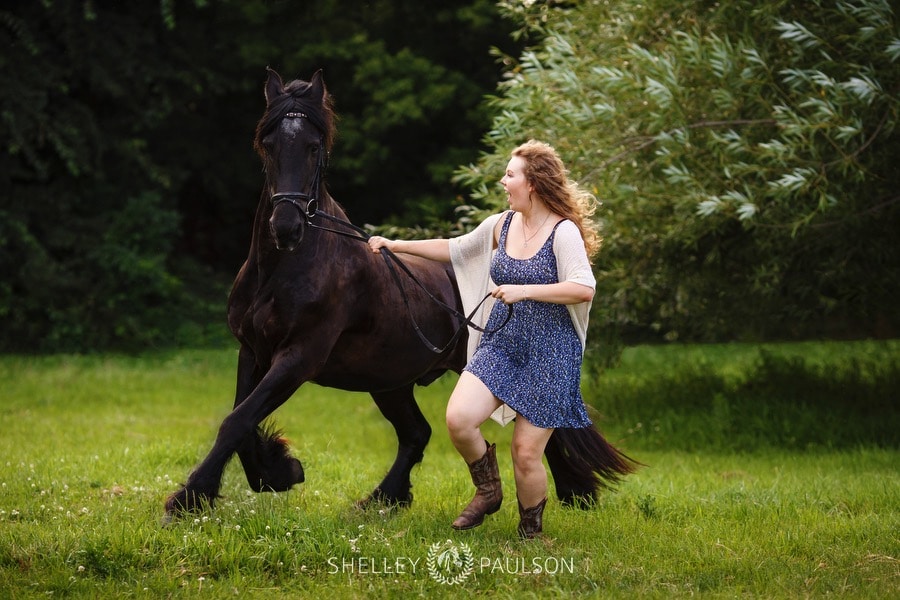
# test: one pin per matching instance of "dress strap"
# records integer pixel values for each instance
(504, 229)
(552, 235)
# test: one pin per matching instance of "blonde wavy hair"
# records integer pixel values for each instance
(547, 174)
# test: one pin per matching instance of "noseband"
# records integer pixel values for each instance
(296, 198)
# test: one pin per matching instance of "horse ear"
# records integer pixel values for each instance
(274, 85)
(317, 85)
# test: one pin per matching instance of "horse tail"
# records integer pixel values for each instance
(582, 462)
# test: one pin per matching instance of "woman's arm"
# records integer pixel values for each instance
(435, 249)
(565, 292)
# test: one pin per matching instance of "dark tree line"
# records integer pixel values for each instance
(744, 152)
(128, 177)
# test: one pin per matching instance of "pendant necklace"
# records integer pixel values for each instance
(536, 231)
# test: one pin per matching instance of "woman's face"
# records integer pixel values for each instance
(516, 185)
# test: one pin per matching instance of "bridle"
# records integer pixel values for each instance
(295, 198)
(310, 211)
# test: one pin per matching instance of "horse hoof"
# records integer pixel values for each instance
(381, 501)
(279, 481)
(297, 471)
(585, 501)
(184, 501)
(172, 514)
(167, 519)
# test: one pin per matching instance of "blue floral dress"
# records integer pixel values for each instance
(533, 364)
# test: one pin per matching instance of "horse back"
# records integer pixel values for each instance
(340, 308)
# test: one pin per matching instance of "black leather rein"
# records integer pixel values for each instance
(391, 259)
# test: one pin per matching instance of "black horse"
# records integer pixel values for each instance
(311, 303)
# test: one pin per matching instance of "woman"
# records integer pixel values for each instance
(529, 369)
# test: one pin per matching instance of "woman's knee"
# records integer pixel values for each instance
(457, 421)
(459, 418)
(528, 445)
(470, 404)
(527, 453)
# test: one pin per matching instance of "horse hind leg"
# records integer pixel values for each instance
(413, 433)
(267, 461)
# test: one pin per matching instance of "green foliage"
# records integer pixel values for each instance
(741, 150)
(126, 146)
(408, 79)
(89, 226)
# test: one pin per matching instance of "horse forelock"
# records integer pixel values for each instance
(298, 97)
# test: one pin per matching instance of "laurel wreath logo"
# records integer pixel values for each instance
(448, 563)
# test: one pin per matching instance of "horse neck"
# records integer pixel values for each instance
(330, 206)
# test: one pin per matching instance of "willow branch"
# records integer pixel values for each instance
(642, 142)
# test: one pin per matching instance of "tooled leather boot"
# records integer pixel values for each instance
(531, 520)
(488, 492)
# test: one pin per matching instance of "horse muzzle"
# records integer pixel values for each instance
(287, 234)
(289, 218)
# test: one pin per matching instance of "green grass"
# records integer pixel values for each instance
(91, 446)
(803, 396)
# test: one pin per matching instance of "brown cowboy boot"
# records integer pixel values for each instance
(531, 520)
(488, 493)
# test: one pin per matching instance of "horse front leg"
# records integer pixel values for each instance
(413, 432)
(264, 454)
(267, 461)
(202, 486)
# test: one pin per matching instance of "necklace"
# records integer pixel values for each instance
(536, 231)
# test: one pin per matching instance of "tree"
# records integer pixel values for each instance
(408, 95)
(744, 154)
(127, 168)
(87, 225)
(408, 78)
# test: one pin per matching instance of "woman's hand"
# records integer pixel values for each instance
(436, 249)
(510, 294)
(376, 243)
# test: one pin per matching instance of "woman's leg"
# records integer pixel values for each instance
(528, 443)
(470, 405)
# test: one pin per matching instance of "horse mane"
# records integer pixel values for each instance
(298, 96)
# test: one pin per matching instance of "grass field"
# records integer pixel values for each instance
(759, 483)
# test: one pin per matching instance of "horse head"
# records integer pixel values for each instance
(294, 138)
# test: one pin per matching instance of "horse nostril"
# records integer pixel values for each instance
(274, 233)
(287, 236)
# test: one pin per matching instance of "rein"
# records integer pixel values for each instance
(390, 259)
(311, 210)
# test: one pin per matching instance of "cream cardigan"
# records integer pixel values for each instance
(470, 255)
